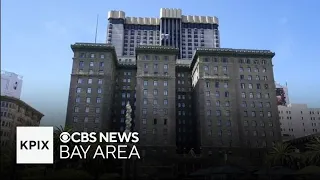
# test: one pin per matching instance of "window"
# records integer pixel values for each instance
(258, 95)
(145, 101)
(208, 93)
(99, 90)
(207, 84)
(155, 83)
(225, 85)
(250, 77)
(154, 121)
(99, 81)
(144, 121)
(79, 81)
(165, 83)
(144, 111)
(165, 102)
(264, 70)
(155, 102)
(78, 90)
(250, 86)
(249, 69)
(215, 68)
(218, 113)
(92, 55)
(243, 86)
(244, 104)
(165, 121)
(217, 94)
(266, 86)
(97, 120)
(165, 92)
(76, 109)
(269, 114)
(75, 119)
(241, 69)
(256, 70)
(77, 99)
(88, 100)
(258, 86)
(208, 112)
(208, 103)
(252, 104)
(218, 103)
(226, 94)
(81, 64)
(251, 95)
(86, 119)
(206, 68)
(145, 92)
(261, 114)
(155, 92)
(87, 109)
(91, 64)
(102, 56)
(89, 90)
(216, 84)
(245, 113)
(267, 95)
(90, 81)
(253, 114)
(165, 66)
(227, 113)
(243, 95)
(145, 83)
(225, 68)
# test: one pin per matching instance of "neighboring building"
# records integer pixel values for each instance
(15, 112)
(11, 84)
(297, 120)
(282, 94)
(301, 142)
(171, 29)
(222, 98)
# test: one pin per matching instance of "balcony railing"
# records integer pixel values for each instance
(155, 75)
(216, 77)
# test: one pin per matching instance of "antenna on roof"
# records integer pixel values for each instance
(95, 38)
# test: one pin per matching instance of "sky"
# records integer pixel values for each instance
(36, 36)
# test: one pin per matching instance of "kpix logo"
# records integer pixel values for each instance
(34, 145)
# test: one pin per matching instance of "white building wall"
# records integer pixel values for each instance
(11, 84)
(297, 120)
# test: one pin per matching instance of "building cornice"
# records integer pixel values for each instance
(230, 52)
(21, 103)
(157, 49)
(97, 47)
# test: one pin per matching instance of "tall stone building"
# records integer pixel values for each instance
(15, 112)
(172, 28)
(222, 98)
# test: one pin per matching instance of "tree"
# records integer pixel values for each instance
(282, 154)
(313, 151)
(58, 143)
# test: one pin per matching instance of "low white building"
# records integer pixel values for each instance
(11, 84)
(297, 120)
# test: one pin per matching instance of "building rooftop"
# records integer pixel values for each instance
(164, 13)
(21, 103)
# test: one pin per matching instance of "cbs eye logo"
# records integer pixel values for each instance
(65, 137)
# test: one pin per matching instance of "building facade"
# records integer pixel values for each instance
(15, 112)
(298, 120)
(221, 98)
(11, 84)
(282, 94)
(171, 29)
